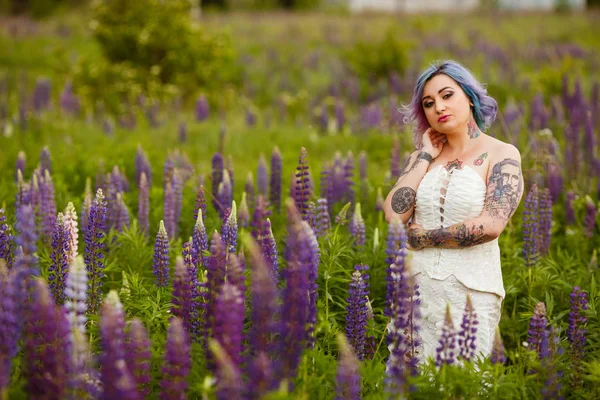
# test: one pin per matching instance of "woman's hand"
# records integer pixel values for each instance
(433, 142)
(415, 235)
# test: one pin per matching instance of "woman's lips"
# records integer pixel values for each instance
(444, 118)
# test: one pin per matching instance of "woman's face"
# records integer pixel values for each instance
(446, 105)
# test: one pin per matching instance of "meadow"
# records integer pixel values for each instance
(170, 311)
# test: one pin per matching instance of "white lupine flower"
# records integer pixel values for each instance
(76, 306)
(73, 230)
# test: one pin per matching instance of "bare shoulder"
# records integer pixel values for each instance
(501, 151)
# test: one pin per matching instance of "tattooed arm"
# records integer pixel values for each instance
(504, 192)
(400, 202)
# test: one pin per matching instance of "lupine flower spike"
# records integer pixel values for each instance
(348, 375)
(160, 264)
(446, 350)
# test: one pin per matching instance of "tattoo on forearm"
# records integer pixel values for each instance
(403, 200)
(454, 237)
(421, 156)
(505, 186)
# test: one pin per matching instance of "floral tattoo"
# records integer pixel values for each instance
(480, 159)
(454, 164)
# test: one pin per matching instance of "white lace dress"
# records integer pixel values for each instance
(445, 198)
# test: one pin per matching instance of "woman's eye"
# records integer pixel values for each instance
(428, 104)
(447, 95)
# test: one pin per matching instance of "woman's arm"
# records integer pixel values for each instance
(400, 202)
(504, 192)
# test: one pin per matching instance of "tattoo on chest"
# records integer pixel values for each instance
(505, 186)
(403, 199)
(454, 164)
(480, 159)
(473, 131)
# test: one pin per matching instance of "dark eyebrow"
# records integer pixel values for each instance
(439, 91)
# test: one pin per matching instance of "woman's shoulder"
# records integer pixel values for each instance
(501, 150)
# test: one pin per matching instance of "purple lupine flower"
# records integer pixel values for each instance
(182, 131)
(46, 345)
(26, 260)
(215, 277)
(259, 218)
(121, 214)
(570, 212)
(200, 202)
(311, 214)
(230, 229)
(177, 363)
(269, 251)
(296, 300)
(467, 336)
(10, 323)
(402, 301)
(379, 201)
(87, 205)
(348, 375)
(555, 182)
(313, 272)
(326, 183)
(357, 226)
(144, 204)
(589, 222)
(169, 210)
(217, 178)
(235, 271)
(47, 206)
(6, 241)
(530, 227)
(262, 177)
(59, 267)
(229, 321)
(200, 242)
(178, 195)
(45, 161)
(69, 103)
(357, 313)
(340, 119)
(243, 213)
(195, 290)
(446, 350)
(142, 165)
(23, 191)
(225, 194)
(264, 303)
(537, 334)
(72, 231)
(160, 264)
(576, 331)
(322, 220)
(114, 371)
(275, 180)
(551, 387)
(20, 165)
(348, 179)
(249, 190)
(498, 354)
(76, 307)
(182, 294)
(94, 243)
(303, 185)
(545, 221)
(202, 108)
(113, 189)
(139, 356)
(261, 376)
(42, 94)
(229, 380)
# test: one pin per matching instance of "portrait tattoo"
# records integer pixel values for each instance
(403, 199)
(505, 186)
(480, 159)
(454, 164)
(472, 129)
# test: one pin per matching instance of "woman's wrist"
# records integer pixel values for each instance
(425, 155)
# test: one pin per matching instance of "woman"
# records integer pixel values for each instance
(461, 187)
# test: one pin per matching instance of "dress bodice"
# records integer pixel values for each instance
(445, 198)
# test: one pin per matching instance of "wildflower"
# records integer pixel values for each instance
(59, 266)
(357, 311)
(446, 350)
(348, 375)
(139, 356)
(537, 328)
(160, 265)
(498, 355)
(177, 362)
(530, 227)
(275, 179)
(144, 204)
(262, 177)
(322, 220)
(467, 339)
(357, 226)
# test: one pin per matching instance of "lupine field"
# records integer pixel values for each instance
(226, 239)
